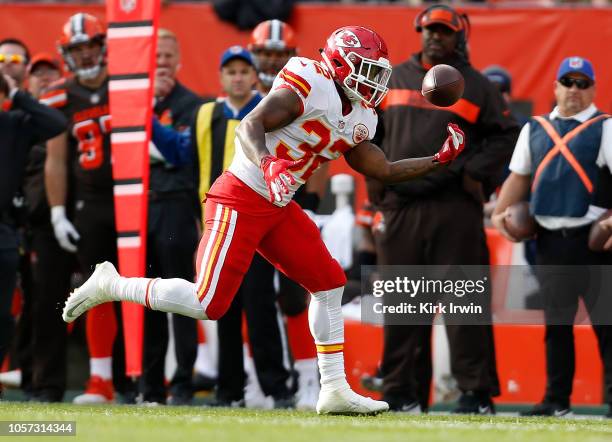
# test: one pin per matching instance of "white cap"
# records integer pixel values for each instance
(342, 183)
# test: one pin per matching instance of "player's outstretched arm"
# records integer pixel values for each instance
(277, 110)
(368, 159)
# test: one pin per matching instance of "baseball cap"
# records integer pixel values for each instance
(500, 77)
(443, 15)
(576, 64)
(236, 52)
(43, 57)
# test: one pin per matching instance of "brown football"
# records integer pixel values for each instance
(597, 235)
(519, 222)
(443, 85)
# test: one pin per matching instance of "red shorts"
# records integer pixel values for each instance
(239, 222)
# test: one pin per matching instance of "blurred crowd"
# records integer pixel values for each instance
(61, 222)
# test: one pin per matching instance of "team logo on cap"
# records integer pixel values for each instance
(360, 133)
(576, 63)
(347, 39)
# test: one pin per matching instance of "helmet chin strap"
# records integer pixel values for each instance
(89, 73)
(84, 73)
(351, 94)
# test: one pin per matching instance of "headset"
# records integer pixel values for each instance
(463, 21)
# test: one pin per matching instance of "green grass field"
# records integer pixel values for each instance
(164, 424)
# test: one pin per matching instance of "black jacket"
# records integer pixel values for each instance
(411, 127)
(176, 110)
(26, 124)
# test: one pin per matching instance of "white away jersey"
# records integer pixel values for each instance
(320, 134)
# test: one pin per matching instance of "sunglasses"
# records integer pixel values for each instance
(12, 58)
(580, 83)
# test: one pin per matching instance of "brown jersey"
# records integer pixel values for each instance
(89, 130)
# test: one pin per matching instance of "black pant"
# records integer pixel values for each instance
(257, 297)
(565, 278)
(41, 330)
(9, 262)
(444, 231)
(171, 244)
(95, 222)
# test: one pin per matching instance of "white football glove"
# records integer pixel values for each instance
(65, 233)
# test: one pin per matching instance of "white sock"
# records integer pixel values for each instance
(203, 363)
(207, 359)
(327, 328)
(166, 295)
(102, 367)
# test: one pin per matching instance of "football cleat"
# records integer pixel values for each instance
(95, 291)
(98, 391)
(549, 408)
(308, 384)
(346, 402)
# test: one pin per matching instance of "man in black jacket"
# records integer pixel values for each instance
(26, 124)
(438, 219)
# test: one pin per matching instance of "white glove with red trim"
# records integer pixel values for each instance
(453, 145)
(276, 176)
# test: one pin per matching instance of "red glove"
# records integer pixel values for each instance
(276, 176)
(453, 145)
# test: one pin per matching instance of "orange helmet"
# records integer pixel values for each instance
(272, 44)
(273, 35)
(79, 29)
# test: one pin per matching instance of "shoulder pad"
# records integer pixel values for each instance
(57, 94)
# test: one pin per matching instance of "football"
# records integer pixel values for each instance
(597, 235)
(519, 223)
(443, 85)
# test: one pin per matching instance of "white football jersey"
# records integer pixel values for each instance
(320, 134)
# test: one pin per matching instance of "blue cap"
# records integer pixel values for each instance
(236, 52)
(500, 77)
(576, 64)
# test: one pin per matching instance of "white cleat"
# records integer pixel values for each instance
(91, 399)
(346, 401)
(94, 291)
(308, 384)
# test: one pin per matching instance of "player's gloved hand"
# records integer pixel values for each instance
(453, 145)
(65, 233)
(276, 176)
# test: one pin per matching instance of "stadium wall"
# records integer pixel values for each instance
(530, 43)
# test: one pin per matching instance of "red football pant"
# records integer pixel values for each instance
(238, 222)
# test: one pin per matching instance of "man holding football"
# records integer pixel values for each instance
(315, 112)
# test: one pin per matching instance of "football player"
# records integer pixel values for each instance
(83, 152)
(316, 111)
(272, 45)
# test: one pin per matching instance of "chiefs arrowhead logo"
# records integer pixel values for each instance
(347, 39)
(360, 133)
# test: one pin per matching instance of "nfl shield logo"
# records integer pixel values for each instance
(127, 6)
(576, 63)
